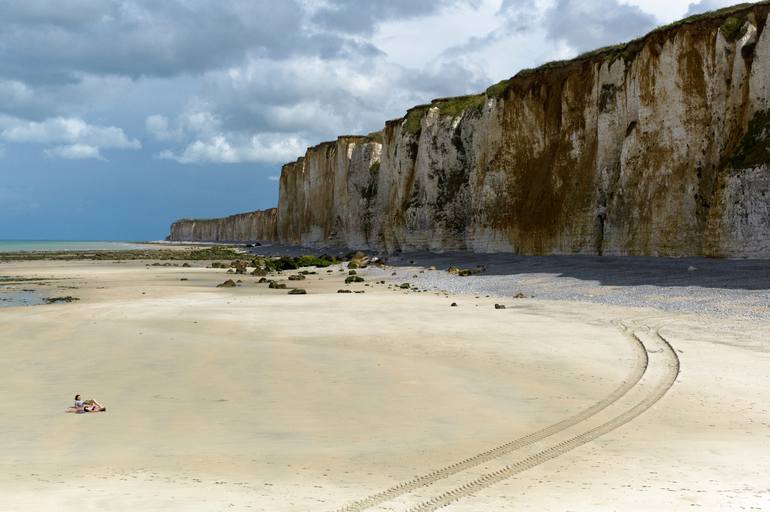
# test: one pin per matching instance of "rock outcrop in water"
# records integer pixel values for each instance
(656, 147)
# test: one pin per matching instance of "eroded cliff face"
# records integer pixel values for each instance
(658, 147)
(242, 227)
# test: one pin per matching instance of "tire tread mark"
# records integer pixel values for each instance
(642, 361)
(552, 452)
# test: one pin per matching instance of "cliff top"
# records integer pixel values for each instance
(244, 214)
(729, 20)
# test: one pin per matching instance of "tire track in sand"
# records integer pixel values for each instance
(489, 479)
(640, 367)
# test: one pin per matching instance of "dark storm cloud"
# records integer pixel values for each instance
(589, 24)
(43, 41)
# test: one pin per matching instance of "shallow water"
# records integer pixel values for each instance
(11, 298)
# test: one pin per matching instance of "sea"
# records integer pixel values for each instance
(67, 245)
(17, 294)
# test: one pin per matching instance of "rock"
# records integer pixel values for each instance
(344, 291)
(432, 267)
(405, 286)
(354, 279)
(186, 265)
(499, 306)
(183, 279)
(297, 277)
(259, 272)
(352, 272)
(298, 291)
(352, 264)
(454, 304)
(230, 271)
(691, 269)
(360, 291)
(519, 296)
(239, 281)
(56, 300)
(262, 280)
(227, 284)
(277, 286)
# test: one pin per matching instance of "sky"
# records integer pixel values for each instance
(119, 116)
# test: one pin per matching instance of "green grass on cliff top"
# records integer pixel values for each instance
(731, 21)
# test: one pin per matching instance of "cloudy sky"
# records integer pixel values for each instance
(119, 116)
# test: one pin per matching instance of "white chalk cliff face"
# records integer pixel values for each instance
(251, 226)
(658, 147)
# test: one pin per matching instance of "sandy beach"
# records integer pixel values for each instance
(249, 398)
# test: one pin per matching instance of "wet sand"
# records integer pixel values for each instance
(252, 399)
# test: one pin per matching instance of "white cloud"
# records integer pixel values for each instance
(72, 137)
(261, 148)
(708, 5)
(68, 130)
(158, 126)
(74, 152)
(274, 178)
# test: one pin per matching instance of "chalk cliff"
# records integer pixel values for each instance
(251, 226)
(655, 147)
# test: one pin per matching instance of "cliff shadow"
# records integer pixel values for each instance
(609, 270)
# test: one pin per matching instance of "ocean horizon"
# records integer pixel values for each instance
(68, 245)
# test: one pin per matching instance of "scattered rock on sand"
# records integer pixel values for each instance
(277, 286)
(298, 291)
(227, 284)
(454, 305)
(297, 277)
(354, 279)
(405, 286)
(344, 291)
(499, 306)
(57, 300)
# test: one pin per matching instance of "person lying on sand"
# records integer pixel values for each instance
(82, 406)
